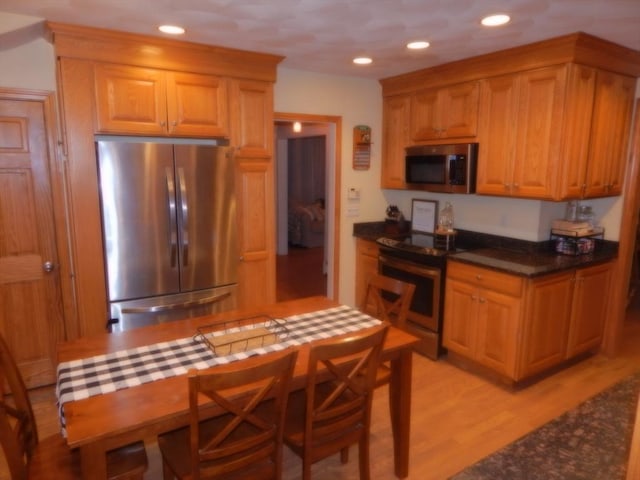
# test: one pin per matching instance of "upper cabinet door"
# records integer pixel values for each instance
(539, 136)
(610, 128)
(577, 128)
(145, 101)
(444, 113)
(395, 111)
(130, 100)
(498, 120)
(197, 105)
(520, 134)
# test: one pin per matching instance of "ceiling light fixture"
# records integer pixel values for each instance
(171, 29)
(362, 60)
(495, 20)
(417, 45)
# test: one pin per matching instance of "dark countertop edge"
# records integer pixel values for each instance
(553, 264)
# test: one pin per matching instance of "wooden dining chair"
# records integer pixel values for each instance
(334, 410)
(387, 299)
(29, 457)
(246, 441)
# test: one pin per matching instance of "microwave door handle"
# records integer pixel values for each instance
(184, 214)
(173, 228)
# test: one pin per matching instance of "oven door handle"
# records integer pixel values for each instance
(411, 267)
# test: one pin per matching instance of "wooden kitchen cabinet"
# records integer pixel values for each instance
(548, 310)
(146, 101)
(597, 124)
(482, 316)
(366, 264)
(518, 327)
(553, 117)
(589, 309)
(252, 136)
(610, 127)
(216, 92)
(445, 112)
(395, 138)
(519, 135)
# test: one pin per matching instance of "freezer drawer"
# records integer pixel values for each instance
(132, 314)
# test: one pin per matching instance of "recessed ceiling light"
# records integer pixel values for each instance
(419, 45)
(171, 29)
(495, 20)
(362, 60)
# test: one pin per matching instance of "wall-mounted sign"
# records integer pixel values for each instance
(361, 147)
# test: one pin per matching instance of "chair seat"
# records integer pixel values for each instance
(175, 450)
(53, 459)
(295, 422)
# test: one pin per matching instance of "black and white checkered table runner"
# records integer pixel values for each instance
(79, 379)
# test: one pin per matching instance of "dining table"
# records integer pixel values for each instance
(103, 407)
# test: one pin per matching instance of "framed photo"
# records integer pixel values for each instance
(423, 215)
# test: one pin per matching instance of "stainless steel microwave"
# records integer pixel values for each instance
(447, 168)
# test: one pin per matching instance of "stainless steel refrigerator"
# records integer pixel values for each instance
(168, 219)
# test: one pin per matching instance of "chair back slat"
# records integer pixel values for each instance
(250, 432)
(388, 299)
(18, 432)
(339, 408)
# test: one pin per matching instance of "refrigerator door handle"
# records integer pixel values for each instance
(184, 212)
(171, 202)
(173, 306)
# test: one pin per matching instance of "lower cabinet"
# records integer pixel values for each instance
(589, 309)
(544, 333)
(518, 327)
(366, 264)
(482, 313)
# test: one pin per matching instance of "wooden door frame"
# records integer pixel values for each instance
(629, 224)
(58, 192)
(337, 172)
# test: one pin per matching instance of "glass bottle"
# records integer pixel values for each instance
(445, 219)
(585, 214)
(571, 212)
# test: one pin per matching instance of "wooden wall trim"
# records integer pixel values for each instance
(335, 240)
(110, 46)
(577, 47)
(626, 245)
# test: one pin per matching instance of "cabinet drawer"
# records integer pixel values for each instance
(486, 278)
(367, 247)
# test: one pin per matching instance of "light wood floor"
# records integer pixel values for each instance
(299, 274)
(457, 418)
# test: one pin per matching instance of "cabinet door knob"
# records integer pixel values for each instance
(478, 276)
(48, 267)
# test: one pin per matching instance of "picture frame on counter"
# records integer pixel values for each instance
(423, 215)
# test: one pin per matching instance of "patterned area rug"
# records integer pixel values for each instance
(590, 442)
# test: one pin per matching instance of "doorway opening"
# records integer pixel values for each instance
(307, 177)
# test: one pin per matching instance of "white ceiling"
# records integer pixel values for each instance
(324, 35)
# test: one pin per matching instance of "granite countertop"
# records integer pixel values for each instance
(517, 257)
(530, 264)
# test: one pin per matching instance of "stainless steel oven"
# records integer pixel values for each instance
(425, 314)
